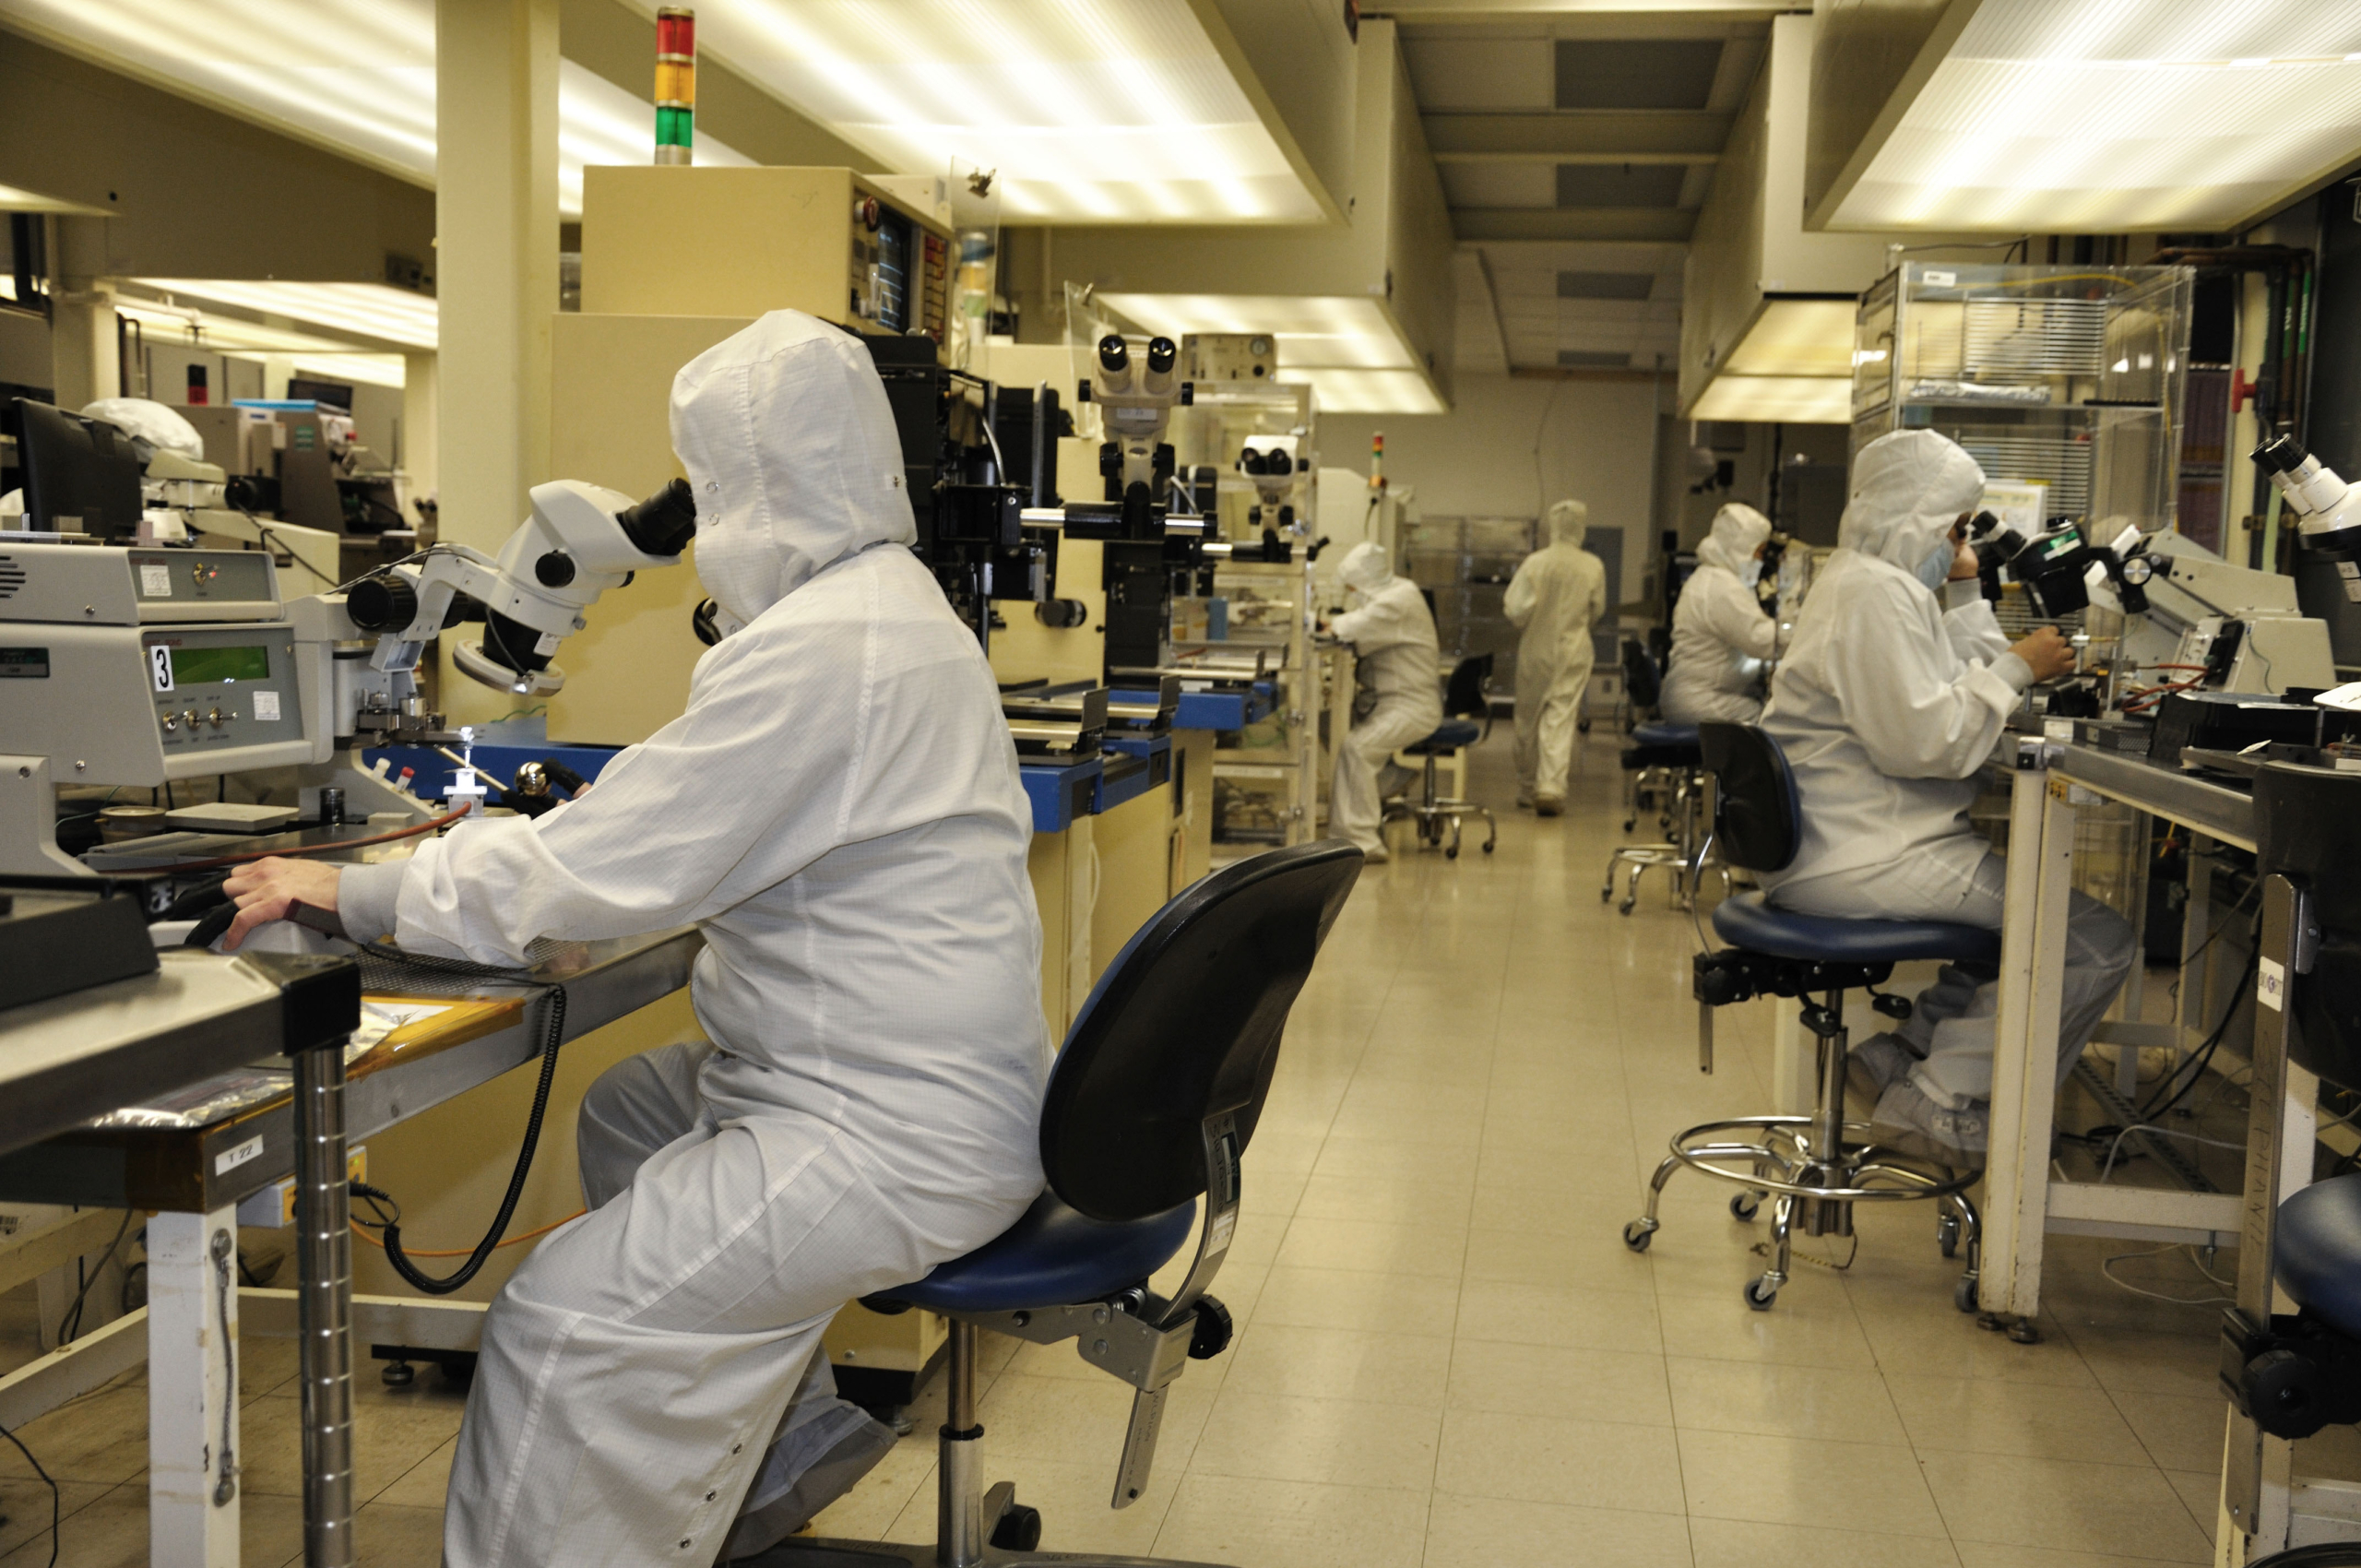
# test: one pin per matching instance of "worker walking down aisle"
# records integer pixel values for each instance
(1399, 698)
(1558, 593)
(1720, 636)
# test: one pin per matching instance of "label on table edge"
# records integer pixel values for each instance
(2270, 984)
(229, 1159)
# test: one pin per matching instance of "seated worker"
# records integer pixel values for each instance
(1886, 705)
(1721, 638)
(839, 810)
(1399, 695)
(1558, 593)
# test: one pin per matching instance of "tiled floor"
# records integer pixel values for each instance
(1446, 1358)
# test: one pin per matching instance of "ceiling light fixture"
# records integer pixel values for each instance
(2076, 116)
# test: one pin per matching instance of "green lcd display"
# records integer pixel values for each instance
(206, 666)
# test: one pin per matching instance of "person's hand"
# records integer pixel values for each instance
(265, 889)
(1965, 564)
(2045, 653)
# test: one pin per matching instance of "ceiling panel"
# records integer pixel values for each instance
(1490, 73)
(1621, 185)
(1605, 285)
(1636, 72)
(1499, 184)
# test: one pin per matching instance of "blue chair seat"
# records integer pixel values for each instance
(1050, 1258)
(1664, 732)
(1748, 921)
(1450, 736)
(2318, 1252)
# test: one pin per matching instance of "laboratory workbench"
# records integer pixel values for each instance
(194, 1153)
(199, 1014)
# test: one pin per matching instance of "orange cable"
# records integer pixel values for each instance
(361, 1231)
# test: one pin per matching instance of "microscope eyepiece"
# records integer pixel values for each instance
(2281, 454)
(1162, 355)
(664, 523)
(1113, 353)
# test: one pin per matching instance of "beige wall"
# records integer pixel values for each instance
(1594, 440)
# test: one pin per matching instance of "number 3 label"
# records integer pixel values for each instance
(161, 658)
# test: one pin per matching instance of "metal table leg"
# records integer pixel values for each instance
(2025, 1061)
(193, 1389)
(2281, 1114)
(324, 1305)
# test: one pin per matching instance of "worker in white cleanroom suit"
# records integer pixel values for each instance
(1721, 638)
(1398, 699)
(1886, 705)
(1558, 594)
(839, 810)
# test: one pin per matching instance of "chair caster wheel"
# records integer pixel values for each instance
(1759, 1296)
(1637, 1234)
(1019, 1528)
(1625, 907)
(1629, 823)
(1947, 1234)
(398, 1375)
(1491, 845)
(1452, 853)
(1963, 1293)
(1745, 1207)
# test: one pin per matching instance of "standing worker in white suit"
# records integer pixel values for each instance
(1887, 705)
(1399, 699)
(839, 810)
(1721, 638)
(1558, 594)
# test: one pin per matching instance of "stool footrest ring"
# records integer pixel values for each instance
(1917, 1174)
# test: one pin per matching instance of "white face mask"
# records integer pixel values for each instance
(1751, 572)
(1937, 567)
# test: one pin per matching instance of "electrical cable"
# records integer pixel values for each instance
(410, 832)
(552, 1037)
(2195, 1067)
(56, 1511)
(361, 1228)
(69, 1322)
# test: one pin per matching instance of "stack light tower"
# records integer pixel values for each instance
(676, 84)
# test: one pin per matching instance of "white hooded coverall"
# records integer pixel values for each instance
(839, 810)
(1397, 669)
(1720, 636)
(1887, 708)
(1559, 592)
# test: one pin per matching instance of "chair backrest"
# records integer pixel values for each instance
(1184, 1026)
(1758, 816)
(1642, 683)
(1468, 692)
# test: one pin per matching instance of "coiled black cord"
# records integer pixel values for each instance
(552, 1037)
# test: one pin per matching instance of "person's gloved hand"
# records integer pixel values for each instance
(266, 889)
(2045, 653)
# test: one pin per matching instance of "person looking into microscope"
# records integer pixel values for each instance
(1887, 705)
(839, 810)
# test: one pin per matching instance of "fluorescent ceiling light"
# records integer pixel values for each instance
(370, 310)
(1310, 330)
(1343, 391)
(1092, 111)
(2093, 116)
(161, 323)
(357, 76)
(16, 199)
(371, 370)
(1797, 338)
(1776, 399)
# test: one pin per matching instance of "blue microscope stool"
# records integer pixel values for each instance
(1816, 1167)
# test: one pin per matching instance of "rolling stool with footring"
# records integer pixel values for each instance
(1805, 1164)
(1151, 1103)
(1667, 751)
(1469, 693)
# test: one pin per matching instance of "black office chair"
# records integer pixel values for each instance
(1467, 696)
(1151, 1103)
(1662, 770)
(1805, 1160)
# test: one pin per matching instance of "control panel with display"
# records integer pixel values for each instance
(223, 685)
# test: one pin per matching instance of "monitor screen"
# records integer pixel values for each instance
(335, 394)
(81, 476)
